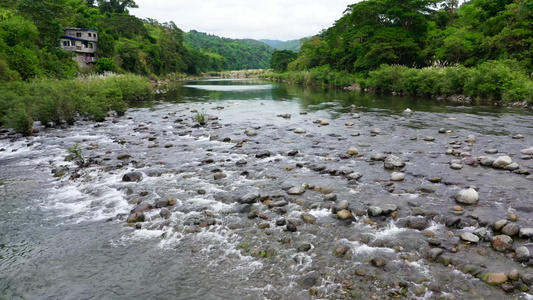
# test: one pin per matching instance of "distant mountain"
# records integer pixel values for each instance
(293, 45)
(230, 54)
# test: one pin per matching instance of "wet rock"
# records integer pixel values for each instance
(291, 226)
(389, 208)
(513, 274)
(263, 154)
(241, 162)
(470, 161)
(252, 215)
(344, 214)
(495, 278)
(393, 161)
(525, 232)
(481, 232)
(378, 262)
(297, 190)
(434, 253)
(264, 225)
(491, 151)
(354, 176)
(375, 131)
(471, 139)
(522, 254)
(469, 237)
(308, 218)
(467, 196)
(307, 282)
(518, 136)
(486, 160)
(507, 287)
(304, 247)
(456, 166)
(299, 130)
(161, 203)
(132, 177)
(435, 179)
(293, 153)
(498, 225)
(245, 209)
(502, 162)
(250, 198)
(374, 211)
(528, 151)
(123, 156)
(250, 132)
(324, 123)
(165, 213)
(145, 206)
(136, 217)
(341, 250)
(352, 151)
(219, 175)
(512, 167)
(418, 223)
(281, 222)
(407, 111)
(397, 176)
(378, 156)
(511, 229)
(502, 243)
(429, 139)
(342, 205)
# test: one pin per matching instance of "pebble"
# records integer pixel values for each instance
(378, 262)
(469, 237)
(495, 278)
(393, 161)
(522, 253)
(510, 229)
(297, 190)
(341, 250)
(397, 176)
(352, 151)
(467, 196)
(502, 162)
(344, 214)
(528, 151)
(299, 130)
(502, 243)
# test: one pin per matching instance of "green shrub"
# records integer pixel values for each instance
(387, 78)
(18, 118)
(105, 64)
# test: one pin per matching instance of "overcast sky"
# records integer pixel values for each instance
(256, 19)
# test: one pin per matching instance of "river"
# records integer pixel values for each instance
(247, 206)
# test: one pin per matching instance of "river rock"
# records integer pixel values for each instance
(502, 162)
(354, 176)
(528, 151)
(374, 211)
(299, 130)
(456, 166)
(407, 111)
(393, 161)
(352, 151)
(291, 226)
(330, 197)
(397, 176)
(165, 213)
(304, 247)
(434, 253)
(467, 196)
(495, 278)
(297, 190)
(486, 160)
(263, 154)
(308, 218)
(378, 262)
(132, 177)
(518, 136)
(342, 205)
(144, 206)
(389, 208)
(324, 123)
(249, 198)
(219, 175)
(135, 217)
(512, 167)
(123, 156)
(250, 132)
(510, 229)
(341, 250)
(522, 254)
(418, 223)
(502, 243)
(469, 237)
(161, 203)
(525, 232)
(344, 214)
(498, 225)
(471, 139)
(281, 222)
(378, 156)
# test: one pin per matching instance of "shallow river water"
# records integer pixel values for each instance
(225, 223)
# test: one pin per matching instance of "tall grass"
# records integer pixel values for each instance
(56, 101)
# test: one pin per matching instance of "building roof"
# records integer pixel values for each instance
(66, 36)
(81, 29)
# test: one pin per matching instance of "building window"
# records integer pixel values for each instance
(78, 34)
(94, 34)
(66, 43)
(89, 34)
(91, 45)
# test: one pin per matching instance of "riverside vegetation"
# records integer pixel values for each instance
(481, 50)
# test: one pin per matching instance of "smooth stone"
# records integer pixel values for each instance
(502, 162)
(250, 132)
(355, 134)
(513, 274)
(136, 217)
(528, 151)
(407, 111)
(502, 243)
(522, 253)
(341, 250)
(344, 214)
(308, 218)
(471, 139)
(352, 151)
(378, 262)
(518, 137)
(525, 232)
(304, 247)
(324, 123)
(434, 253)
(486, 160)
(389, 208)
(354, 176)
(491, 151)
(378, 156)
(249, 198)
(397, 176)
(297, 190)
(467, 196)
(330, 197)
(511, 229)
(498, 225)
(375, 131)
(123, 156)
(495, 278)
(281, 222)
(429, 139)
(264, 225)
(299, 130)
(165, 213)
(132, 177)
(456, 166)
(469, 237)
(512, 167)
(144, 206)
(374, 211)
(291, 226)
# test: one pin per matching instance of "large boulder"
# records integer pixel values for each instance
(142, 207)
(467, 196)
(528, 151)
(135, 217)
(502, 162)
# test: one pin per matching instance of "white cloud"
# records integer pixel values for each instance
(266, 19)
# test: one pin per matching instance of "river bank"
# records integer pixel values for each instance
(493, 82)
(286, 196)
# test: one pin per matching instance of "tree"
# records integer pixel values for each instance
(281, 59)
(116, 6)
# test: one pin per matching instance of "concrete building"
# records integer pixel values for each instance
(83, 42)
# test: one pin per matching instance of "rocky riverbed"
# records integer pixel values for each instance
(281, 200)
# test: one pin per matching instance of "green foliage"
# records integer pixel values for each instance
(281, 59)
(105, 64)
(200, 117)
(18, 118)
(75, 152)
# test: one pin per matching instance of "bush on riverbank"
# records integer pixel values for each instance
(492, 80)
(55, 101)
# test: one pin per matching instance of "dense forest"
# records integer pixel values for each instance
(229, 54)
(292, 45)
(482, 48)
